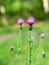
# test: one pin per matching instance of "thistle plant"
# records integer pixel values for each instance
(20, 21)
(30, 22)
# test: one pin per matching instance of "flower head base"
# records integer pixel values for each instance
(30, 21)
(20, 21)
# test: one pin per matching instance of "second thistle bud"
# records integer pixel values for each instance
(11, 48)
(43, 54)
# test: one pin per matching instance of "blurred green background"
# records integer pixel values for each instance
(22, 8)
(10, 11)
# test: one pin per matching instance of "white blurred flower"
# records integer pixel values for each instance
(2, 9)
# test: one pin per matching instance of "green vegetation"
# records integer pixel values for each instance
(10, 53)
(19, 57)
(24, 8)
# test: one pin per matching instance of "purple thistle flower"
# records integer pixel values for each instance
(30, 21)
(20, 21)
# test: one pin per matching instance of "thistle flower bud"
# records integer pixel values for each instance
(43, 54)
(11, 48)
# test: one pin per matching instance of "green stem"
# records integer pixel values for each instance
(30, 48)
(20, 30)
(30, 56)
(19, 42)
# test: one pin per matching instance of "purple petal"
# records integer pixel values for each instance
(30, 21)
(20, 21)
